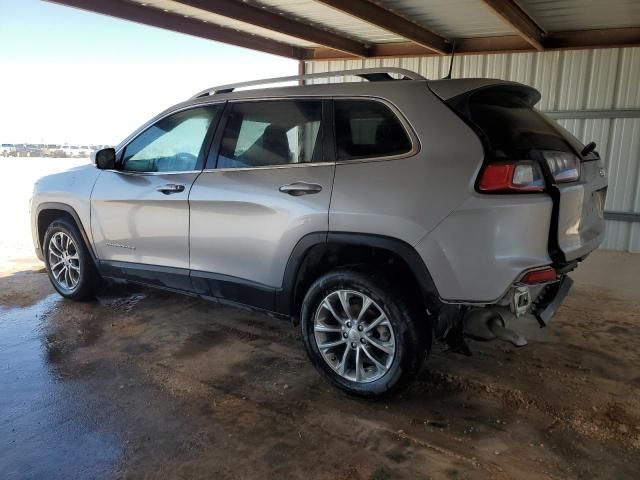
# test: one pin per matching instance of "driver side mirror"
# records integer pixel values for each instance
(105, 159)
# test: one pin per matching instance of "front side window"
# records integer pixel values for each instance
(173, 144)
(274, 132)
(368, 129)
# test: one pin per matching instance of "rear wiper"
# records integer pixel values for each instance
(588, 148)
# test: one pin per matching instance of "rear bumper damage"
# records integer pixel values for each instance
(550, 299)
(521, 305)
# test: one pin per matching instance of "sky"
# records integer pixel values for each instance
(70, 76)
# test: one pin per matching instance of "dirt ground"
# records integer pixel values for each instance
(146, 384)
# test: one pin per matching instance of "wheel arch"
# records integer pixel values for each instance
(318, 253)
(48, 212)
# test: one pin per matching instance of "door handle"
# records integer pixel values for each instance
(170, 188)
(300, 188)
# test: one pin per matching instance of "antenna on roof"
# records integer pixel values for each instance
(453, 53)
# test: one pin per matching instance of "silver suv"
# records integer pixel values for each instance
(375, 214)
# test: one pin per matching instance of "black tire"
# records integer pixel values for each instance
(411, 330)
(88, 278)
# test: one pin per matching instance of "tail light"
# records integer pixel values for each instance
(564, 166)
(518, 176)
(526, 176)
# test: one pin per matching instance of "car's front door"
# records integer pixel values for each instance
(267, 187)
(140, 211)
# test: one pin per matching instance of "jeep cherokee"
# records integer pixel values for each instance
(375, 214)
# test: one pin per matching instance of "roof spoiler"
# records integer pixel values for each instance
(449, 89)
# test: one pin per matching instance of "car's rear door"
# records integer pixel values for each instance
(267, 185)
(140, 211)
(581, 224)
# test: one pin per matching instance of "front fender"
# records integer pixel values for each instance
(38, 233)
(70, 192)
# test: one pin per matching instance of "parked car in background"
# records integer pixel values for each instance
(71, 151)
(376, 215)
(7, 150)
(66, 150)
(35, 150)
(53, 150)
(83, 151)
(22, 150)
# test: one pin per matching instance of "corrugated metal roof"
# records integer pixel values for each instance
(451, 18)
(191, 12)
(448, 19)
(605, 79)
(561, 15)
(330, 18)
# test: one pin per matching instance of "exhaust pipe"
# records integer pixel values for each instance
(490, 323)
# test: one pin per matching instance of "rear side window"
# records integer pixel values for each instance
(510, 126)
(368, 129)
(276, 132)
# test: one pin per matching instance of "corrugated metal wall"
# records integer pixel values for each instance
(605, 81)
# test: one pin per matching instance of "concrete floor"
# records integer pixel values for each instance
(145, 384)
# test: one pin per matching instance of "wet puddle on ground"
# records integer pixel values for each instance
(147, 384)
(45, 431)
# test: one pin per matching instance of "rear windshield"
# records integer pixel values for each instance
(509, 126)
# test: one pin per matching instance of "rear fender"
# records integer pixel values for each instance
(285, 296)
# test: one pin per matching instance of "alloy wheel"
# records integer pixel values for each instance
(354, 336)
(64, 261)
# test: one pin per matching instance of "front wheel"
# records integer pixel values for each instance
(362, 335)
(68, 261)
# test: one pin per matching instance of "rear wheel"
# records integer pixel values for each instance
(366, 338)
(68, 261)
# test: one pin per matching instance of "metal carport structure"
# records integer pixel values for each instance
(583, 55)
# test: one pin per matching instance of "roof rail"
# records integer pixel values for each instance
(371, 74)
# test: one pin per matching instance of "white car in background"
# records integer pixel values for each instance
(71, 150)
(7, 149)
(53, 150)
(84, 151)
